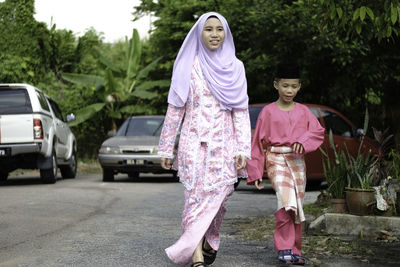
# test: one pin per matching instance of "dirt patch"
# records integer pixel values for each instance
(83, 168)
(382, 250)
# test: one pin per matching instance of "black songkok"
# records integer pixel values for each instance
(288, 71)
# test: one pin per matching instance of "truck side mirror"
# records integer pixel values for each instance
(70, 117)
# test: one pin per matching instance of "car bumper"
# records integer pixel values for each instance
(8, 150)
(128, 163)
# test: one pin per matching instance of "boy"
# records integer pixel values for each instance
(289, 130)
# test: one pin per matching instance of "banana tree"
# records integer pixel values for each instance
(122, 88)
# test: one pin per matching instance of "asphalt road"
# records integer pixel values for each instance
(85, 222)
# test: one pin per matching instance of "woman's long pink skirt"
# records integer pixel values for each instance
(202, 216)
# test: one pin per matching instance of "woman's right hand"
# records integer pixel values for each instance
(257, 184)
(166, 163)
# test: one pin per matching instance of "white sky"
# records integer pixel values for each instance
(112, 17)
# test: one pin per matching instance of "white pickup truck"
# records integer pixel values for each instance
(34, 134)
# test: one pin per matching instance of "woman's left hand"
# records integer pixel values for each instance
(240, 162)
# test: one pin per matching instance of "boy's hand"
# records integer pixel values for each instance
(298, 148)
(166, 163)
(257, 184)
(240, 162)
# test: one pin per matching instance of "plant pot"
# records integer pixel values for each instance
(339, 205)
(360, 201)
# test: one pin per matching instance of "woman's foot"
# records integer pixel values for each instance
(208, 253)
(198, 259)
(198, 264)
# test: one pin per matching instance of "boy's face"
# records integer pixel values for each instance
(287, 89)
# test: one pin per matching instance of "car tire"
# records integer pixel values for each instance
(69, 171)
(49, 176)
(133, 175)
(3, 176)
(175, 176)
(313, 184)
(236, 184)
(108, 175)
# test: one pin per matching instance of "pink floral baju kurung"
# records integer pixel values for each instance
(287, 171)
(209, 140)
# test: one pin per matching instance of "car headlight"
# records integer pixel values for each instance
(109, 150)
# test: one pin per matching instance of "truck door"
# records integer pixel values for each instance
(61, 130)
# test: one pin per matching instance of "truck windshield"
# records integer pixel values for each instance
(14, 101)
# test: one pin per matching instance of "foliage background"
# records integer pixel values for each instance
(348, 51)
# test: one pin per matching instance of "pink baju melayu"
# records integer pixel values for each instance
(209, 140)
(287, 171)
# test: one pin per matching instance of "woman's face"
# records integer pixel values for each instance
(213, 34)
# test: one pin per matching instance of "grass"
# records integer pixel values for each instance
(89, 167)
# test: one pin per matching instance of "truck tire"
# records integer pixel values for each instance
(108, 175)
(3, 176)
(49, 176)
(69, 171)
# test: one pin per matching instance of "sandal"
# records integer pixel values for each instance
(208, 254)
(286, 256)
(198, 264)
(299, 260)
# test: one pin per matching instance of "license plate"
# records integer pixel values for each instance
(4, 152)
(135, 162)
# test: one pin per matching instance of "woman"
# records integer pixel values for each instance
(209, 89)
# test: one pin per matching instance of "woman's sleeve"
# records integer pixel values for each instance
(169, 131)
(255, 166)
(241, 124)
(314, 136)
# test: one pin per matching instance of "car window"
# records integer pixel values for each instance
(335, 123)
(141, 127)
(42, 101)
(56, 109)
(15, 101)
(253, 113)
(314, 111)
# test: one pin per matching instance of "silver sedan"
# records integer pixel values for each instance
(133, 149)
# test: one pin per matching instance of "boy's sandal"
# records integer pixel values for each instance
(198, 264)
(286, 256)
(208, 254)
(299, 260)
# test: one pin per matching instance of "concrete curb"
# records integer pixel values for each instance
(346, 224)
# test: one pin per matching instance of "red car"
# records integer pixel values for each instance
(344, 131)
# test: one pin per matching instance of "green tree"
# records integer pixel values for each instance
(21, 43)
(374, 19)
(122, 89)
(342, 68)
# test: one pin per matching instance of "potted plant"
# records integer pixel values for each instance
(394, 172)
(335, 172)
(360, 196)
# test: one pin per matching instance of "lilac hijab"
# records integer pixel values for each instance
(222, 70)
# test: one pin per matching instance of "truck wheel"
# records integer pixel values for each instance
(69, 171)
(49, 176)
(108, 175)
(3, 176)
